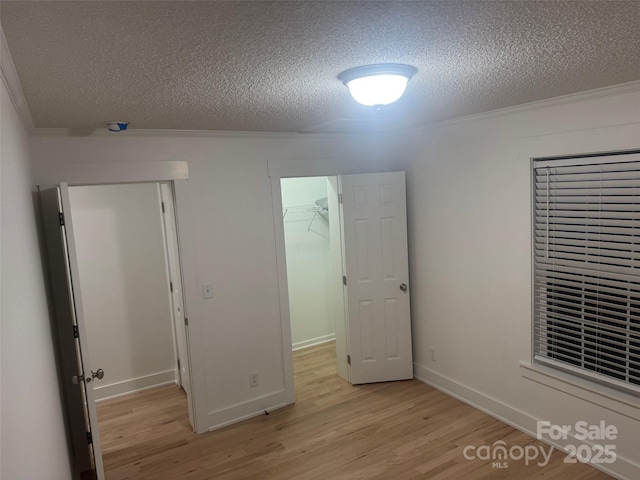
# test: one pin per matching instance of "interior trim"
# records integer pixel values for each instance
(605, 397)
(623, 468)
(11, 81)
(570, 98)
(101, 173)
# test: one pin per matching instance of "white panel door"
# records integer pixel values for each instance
(377, 277)
(78, 378)
(177, 303)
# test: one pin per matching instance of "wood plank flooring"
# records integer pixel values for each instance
(335, 431)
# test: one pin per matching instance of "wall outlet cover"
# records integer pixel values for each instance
(207, 290)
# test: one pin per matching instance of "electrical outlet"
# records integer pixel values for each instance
(432, 354)
(254, 380)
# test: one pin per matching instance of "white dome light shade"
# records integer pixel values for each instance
(374, 85)
(377, 89)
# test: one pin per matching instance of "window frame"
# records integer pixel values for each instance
(546, 365)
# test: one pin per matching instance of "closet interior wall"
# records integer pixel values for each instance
(306, 229)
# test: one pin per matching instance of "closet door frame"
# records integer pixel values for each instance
(279, 169)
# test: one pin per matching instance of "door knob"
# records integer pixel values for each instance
(99, 374)
(403, 287)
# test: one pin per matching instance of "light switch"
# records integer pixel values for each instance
(207, 290)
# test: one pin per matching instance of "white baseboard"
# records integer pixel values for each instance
(622, 468)
(242, 411)
(125, 387)
(312, 342)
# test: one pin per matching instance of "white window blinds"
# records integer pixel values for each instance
(586, 229)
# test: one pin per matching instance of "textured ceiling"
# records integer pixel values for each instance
(272, 66)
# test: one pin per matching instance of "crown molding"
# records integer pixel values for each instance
(549, 102)
(141, 132)
(11, 82)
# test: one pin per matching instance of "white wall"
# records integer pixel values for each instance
(470, 256)
(308, 262)
(31, 411)
(469, 227)
(121, 258)
(227, 209)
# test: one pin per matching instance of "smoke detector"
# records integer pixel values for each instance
(117, 126)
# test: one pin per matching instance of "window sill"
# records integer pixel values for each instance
(609, 398)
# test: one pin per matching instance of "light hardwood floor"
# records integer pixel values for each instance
(335, 431)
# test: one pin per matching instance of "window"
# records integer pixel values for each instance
(586, 298)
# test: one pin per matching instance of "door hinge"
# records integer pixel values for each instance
(61, 218)
(186, 321)
(171, 286)
(162, 205)
(75, 331)
(179, 369)
(89, 438)
(349, 359)
(339, 198)
(344, 280)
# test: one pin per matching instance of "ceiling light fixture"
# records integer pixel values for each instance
(376, 85)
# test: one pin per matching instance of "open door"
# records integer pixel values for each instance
(78, 378)
(177, 301)
(376, 277)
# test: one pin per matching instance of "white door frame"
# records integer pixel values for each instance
(279, 169)
(177, 172)
(176, 278)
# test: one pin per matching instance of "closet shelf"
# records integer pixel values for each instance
(320, 209)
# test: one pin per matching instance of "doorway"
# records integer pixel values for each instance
(118, 241)
(312, 238)
(376, 345)
(122, 263)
